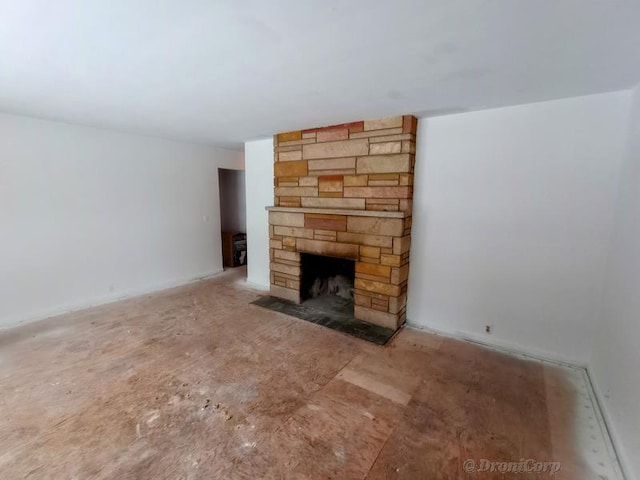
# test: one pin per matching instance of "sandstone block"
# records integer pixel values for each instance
(288, 201)
(297, 191)
(286, 179)
(293, 285)
(396, 304)
(284, 255)
(284, 268)
(371, 252)
(381, 207)
(286, 293)
(296, 143)
(349, 126)
(337, 171)
(365, 239)
(375, 226)
(383, 123)
(292, 232)
(408, 147)
(287, 184)
(278, 149)
(289, 136)
(372, 269)
(384, 176)
(393, 260)
(377, 192)
(380, 183)
(342, 148)
(290, 169)
(308, 181)
(383, 319)
(405, 205)
(383, 201)
(341, 163)
(320, 236)
(409, 124)
(286, 219)
(380, 305)
(336, 223)
(400, 163)
(399, 274)
(361, 300)
(375, 278)
(289, 241)
(275, 244)
(325, 232)
(385, 148)
(285, 276)
(369, 260)
(290, 156)
(401, 245)
(331, 249)
(344, 203)
(355, 180)
(330, 183)
(332, 135)
(377, 287)
(393, 138)
(376, 133)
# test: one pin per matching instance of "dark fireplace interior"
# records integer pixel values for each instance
(326, 294)
(327, 283)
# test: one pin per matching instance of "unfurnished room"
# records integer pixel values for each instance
(391, 239)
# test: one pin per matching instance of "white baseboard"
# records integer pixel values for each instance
(616, 453)
(15, 321)
(619, 452)
(497, 343)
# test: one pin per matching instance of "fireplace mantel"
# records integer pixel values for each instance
(340, 211)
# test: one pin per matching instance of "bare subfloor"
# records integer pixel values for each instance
(196, 383)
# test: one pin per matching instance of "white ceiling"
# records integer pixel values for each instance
(226, 71)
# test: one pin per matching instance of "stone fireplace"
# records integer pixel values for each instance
(345, 192)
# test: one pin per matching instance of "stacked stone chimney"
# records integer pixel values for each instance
(346, 191)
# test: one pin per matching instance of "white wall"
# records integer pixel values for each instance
(259, 185)
(232, 200)
(513, 209)
(616, 359)
(89, 215)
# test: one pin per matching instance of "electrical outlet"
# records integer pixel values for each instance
(487, 328)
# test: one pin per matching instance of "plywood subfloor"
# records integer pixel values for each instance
(197, 383)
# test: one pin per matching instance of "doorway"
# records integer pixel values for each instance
(233, 217)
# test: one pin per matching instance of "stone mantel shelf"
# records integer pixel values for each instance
(339, 211)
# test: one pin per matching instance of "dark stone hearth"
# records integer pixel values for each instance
(315, 313)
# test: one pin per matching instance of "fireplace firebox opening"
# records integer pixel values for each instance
(327, 283)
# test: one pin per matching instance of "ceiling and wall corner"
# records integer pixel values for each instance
(616, 356)
(225, 72)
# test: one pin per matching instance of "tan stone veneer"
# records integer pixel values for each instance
(346, 191)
